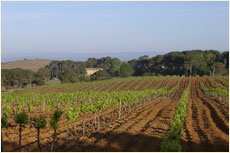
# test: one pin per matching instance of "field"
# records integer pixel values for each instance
(132, 114)
(33, 65)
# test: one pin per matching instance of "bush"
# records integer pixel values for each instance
(38, 82)
(171, 143)
(40, 122)
(55, 119)
(83, 78)
(4, 122)
(69, 77)
(21, 118)
(100, 75)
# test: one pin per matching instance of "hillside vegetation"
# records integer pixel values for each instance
(194, 62)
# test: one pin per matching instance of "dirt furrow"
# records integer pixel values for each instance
(207, 83)
(106, 86)
(160, 125)
(163, 83)
(133, 117)
(134, 84)
(160, 113)
(173, 84)
(220, 82)
(200, 131)
(206, 127)
(154, 83)
(144, 85)
(133, 127)
(97, 139)
(114, 88)
(221, 119)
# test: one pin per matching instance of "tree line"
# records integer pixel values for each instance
(194, 62)
(20, 78)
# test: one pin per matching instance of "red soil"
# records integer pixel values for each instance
(207, 123)
(163, 83)
(205, 128)
(173, 83)
(144, 85)
(155, 83)
(220, 82)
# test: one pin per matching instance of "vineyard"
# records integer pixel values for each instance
(133, 114)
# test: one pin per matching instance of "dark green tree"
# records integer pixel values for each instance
(100, 75)
(70, 77)
(43, 73)
(126, 70)
(226, 59)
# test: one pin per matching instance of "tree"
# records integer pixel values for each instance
(44, 73)
(126, 70)
(173, 63)
(58, 68)
(16, 77)
(114, 69)
(110, 65)
(100, 75)
(219, 69)
(54, 125)
(92, 62)
(70, 77)
(21, 119)
(226, 59)
(39, 123)
(145, 57)
(196, 63)
(84, 78)
(38, 81)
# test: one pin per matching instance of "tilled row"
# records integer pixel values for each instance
(206, 127)
(134, 133)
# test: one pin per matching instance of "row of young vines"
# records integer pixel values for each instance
(171, 143)
(220, 92)
(92, 104)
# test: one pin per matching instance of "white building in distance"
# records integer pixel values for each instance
(90, 71)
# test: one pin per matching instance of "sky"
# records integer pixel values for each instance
(127, 30)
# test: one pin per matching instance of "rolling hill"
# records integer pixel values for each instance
(33, 65)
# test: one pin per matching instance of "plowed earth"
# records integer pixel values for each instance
(205, 129)
(220, 82)
(207, 124)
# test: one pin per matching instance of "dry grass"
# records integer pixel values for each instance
(33, 65)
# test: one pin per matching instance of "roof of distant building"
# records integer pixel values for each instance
(94, 68)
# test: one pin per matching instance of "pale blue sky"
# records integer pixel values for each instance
(77, 30)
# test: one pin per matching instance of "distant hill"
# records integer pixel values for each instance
(33, 64)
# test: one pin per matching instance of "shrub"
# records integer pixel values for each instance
(100, 75)
(54, 125)
(21, 119)
(39, 123)
(4, 122)
(69, 77)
